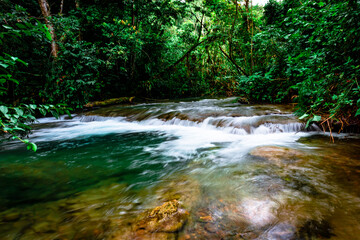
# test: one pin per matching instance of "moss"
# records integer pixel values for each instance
(110, 102)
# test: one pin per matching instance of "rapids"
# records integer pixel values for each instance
(238, 172)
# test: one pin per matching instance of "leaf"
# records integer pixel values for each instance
(304, 116)
(33, 146)
(316, 118)
(21, 61)
(4, 65)
(19, 111)
(47, 32)
(357, 112)
(4, 110)
(19, 25)
(55, 114)
(42, 111)
(13, 120)
(68, 113)
(308, 123)
(13, 58)
(7, 27)
(14, 80)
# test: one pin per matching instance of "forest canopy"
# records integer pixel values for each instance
(57, 55)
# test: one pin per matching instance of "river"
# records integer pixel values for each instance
(201, 169)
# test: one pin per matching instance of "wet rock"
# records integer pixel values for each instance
(171, 115)
(259, 212)
(184, 189)
(44, 227)
(169, 217)
(11, 216)
(152, 236)
(282, 231)
(280, 156)
(300, 182)
(108, 102)
(210, 227)
(161, 223)
(243, 100)
(220, 219)
(92, 230)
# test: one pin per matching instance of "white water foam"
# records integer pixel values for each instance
(189, 136)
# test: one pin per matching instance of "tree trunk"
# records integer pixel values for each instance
(45, 9)
(133, 13)
(61, 7)
(77, 4)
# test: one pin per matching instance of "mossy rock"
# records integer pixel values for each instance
(111, 101)
(169, 217)
(10, 216)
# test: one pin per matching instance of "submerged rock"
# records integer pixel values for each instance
(184, 189)
(316, 229)
(280, 156)
(44, 227)
(282, 231)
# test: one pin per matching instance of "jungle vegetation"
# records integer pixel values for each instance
(57, 55)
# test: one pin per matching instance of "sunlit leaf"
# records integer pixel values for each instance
(357, 112)
(304, 116)
(316, 118)
(4, 109)
(19, 111)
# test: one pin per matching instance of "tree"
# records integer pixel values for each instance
(45, 9)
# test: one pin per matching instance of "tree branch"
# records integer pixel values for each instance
(238, 68)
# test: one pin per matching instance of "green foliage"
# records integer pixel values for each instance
(273, 12)
(301, 51)
(310, 55)
(263, 88)
(7, 64)
(15, 121)
(15, 117)
(327, 64)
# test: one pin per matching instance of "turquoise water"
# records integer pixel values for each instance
(240, 171)
(62, 168)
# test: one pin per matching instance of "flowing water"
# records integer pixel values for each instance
(237, 171)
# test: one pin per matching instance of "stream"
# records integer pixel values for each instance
(191, 169)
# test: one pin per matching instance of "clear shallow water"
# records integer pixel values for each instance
(242, 172)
